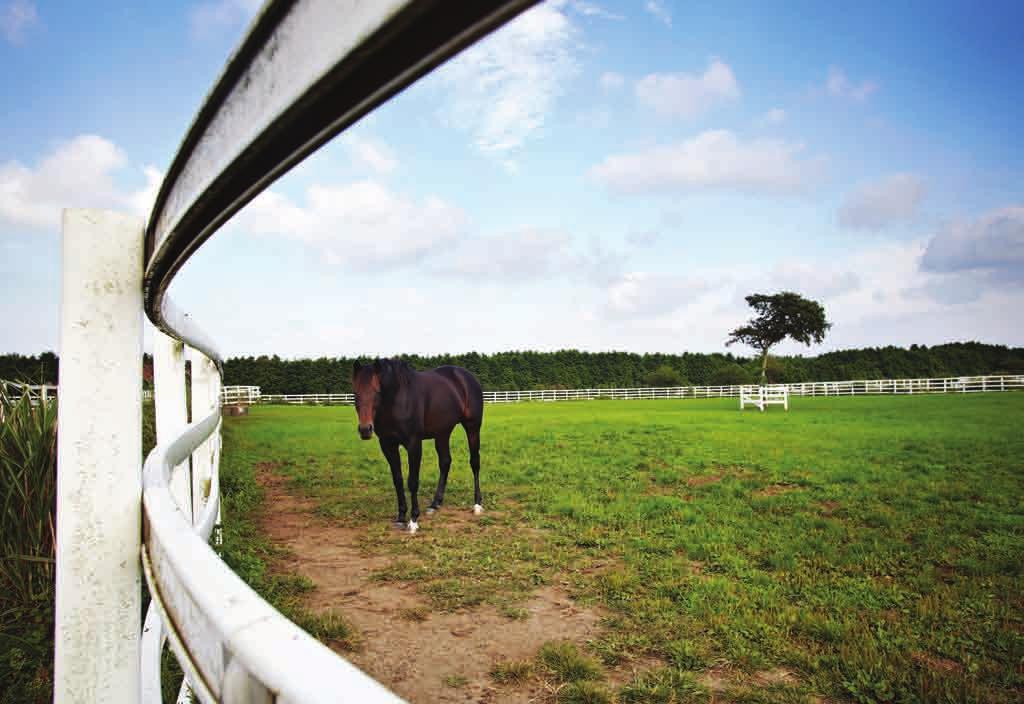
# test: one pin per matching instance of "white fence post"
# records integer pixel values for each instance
(99, 461)
(205, 399)
(169, 407)
(170, 404)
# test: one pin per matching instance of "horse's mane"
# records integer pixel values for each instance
(403, 371)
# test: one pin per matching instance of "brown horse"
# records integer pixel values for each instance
(405, 407)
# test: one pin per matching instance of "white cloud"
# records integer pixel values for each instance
(688, 95)
(643, 294)
(949, 290)
(589, 9)
(503, 88)
(210, 18)
(16, 17)
(77, 174)
(991, 247)
(141, 201)
(359, 225)
(529, 254)
(610, 80)
(370, 154)
(712, 160)
(838, 85)
(660, 12)
(816, 279)
(643, 238)
(876, 205)
(775, 116)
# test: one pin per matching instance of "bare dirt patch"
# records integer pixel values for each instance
(828, 507)
(704, 479)
(776, 676)
(422, 655)
(936, 663)
(723, 680)
(775, 489)
(718, 678)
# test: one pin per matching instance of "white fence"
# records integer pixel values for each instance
(14, 390)
(239, 395)
(960, 384)
(306, 70)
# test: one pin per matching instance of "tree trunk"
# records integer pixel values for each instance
(764, 365)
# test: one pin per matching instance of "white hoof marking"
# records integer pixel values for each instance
(413, 527)
(478, 509)
(430, 511)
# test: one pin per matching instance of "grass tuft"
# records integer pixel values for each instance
(511, 671)
(666, 686)
(583, 693)
(417, 614)
(566, 663)
(329, 627)
(455, 681)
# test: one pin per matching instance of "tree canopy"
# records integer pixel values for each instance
(779, 316)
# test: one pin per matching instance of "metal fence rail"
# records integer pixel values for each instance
(306, 70)
(946, 385)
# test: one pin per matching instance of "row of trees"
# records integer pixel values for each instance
(575, 369)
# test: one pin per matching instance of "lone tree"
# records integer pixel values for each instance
(783, 315)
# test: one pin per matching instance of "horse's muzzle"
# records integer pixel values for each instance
(366, 431)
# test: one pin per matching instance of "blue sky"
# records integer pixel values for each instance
(594, 175)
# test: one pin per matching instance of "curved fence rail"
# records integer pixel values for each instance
(232, 395)
(306, 70)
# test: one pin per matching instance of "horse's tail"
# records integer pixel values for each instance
(474, 399)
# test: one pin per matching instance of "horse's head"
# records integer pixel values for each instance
(369, 383)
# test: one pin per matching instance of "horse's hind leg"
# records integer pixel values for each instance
(473, 436)
(444, 463)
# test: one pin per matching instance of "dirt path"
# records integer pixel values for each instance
(441, 658)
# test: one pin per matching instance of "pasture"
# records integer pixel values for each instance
(853, 549)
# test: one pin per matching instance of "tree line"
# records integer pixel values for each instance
(570, 369)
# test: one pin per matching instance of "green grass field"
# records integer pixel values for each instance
(872, 545)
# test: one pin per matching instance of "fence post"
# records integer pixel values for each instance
(99, 460)
(169, 405)
(205, 399)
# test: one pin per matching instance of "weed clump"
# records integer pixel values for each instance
(566, 663)
(583, 693)
(511, 671)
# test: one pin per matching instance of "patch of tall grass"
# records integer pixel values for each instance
(28, 487)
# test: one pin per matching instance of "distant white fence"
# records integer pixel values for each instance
(959, 384)
(14, 390)
(239, 395)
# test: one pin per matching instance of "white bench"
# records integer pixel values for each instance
(762, 396)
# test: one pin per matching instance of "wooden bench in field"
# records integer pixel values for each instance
(762, 396)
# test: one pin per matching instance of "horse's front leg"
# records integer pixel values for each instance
(391, 454)
(415, 450)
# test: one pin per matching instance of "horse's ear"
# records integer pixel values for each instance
(356, 366)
